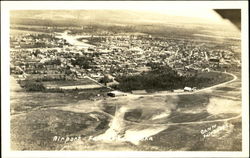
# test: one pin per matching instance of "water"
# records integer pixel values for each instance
(73, 40)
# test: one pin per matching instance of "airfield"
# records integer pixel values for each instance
(204, 120)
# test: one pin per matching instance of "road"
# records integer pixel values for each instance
(162, 93)
(166, 93)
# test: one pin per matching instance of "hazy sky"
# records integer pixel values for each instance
(160, 7)
(195, 9)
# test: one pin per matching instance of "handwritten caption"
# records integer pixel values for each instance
(213, 130)
(67, 139)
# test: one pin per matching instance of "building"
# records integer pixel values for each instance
(116, 94)
(139, 92)
(189, 89)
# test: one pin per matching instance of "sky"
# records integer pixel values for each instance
(189, 9)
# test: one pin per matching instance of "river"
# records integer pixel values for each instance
(73, 40)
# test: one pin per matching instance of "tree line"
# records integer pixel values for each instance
(165, 78)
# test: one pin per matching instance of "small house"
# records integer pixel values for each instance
(189, 89)
(116, 94)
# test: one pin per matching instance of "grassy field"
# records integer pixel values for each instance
(84, 81)
(59, 85)
(36, 129)
(189, 138)
(19, 32)
(187, 108)
(35, 121)
(37, 118)
(26, 101)
(23, 101)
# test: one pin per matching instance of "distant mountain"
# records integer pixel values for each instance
(80, 17)
(125, 19)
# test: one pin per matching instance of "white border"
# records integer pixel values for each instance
(136, 5)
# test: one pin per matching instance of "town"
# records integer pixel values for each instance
(90, 80)
(50, 57)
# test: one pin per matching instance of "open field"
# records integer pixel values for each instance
(32, 84)
(37, 129)
(19, 31)
(22, 101)
(84, 81)
(79, 84)
(34, 122)
(176, 123)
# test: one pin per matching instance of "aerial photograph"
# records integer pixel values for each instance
(124, 80)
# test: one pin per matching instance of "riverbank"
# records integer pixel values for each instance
(73, 40)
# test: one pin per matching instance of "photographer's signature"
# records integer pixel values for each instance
(213, 130)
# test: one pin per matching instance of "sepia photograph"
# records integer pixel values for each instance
(125, 77)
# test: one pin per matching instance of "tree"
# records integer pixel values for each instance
(105, 80)
(33, 86)
(83, 62)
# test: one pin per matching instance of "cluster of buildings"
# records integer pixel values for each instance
(113, 55)
(130, 55)
(35, 41)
